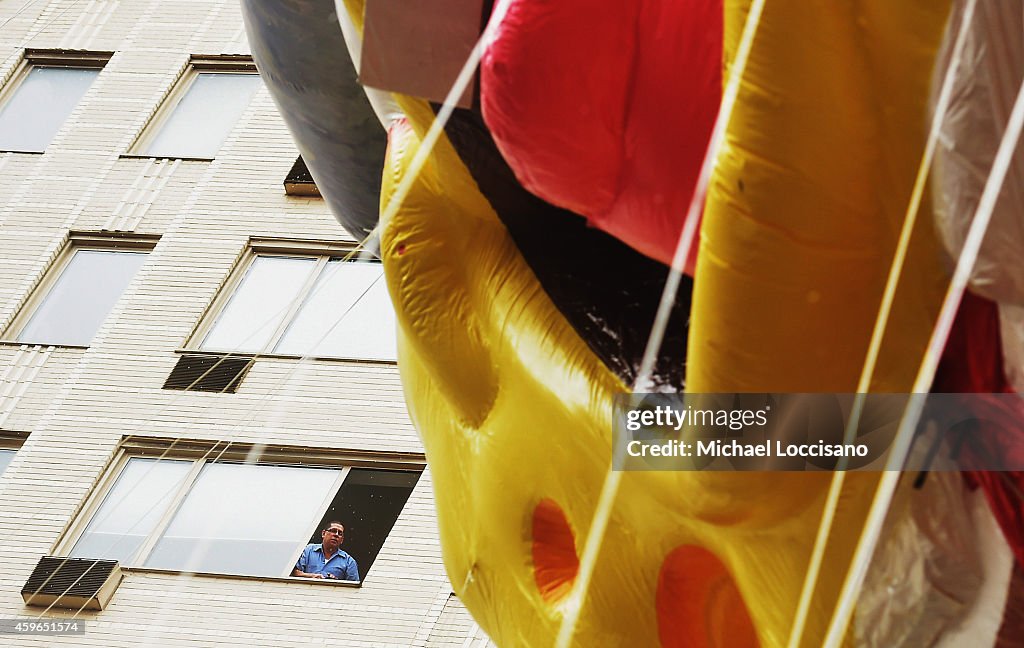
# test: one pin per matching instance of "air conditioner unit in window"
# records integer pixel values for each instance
(219, 373)
(75, 583)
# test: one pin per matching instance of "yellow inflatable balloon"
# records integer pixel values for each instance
(515, 409)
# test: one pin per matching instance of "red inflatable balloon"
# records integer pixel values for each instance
(606, 110)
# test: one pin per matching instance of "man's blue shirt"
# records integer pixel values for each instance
(341, 565)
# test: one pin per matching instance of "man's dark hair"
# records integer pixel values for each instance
(332, 522)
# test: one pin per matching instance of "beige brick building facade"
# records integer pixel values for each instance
(75, 405)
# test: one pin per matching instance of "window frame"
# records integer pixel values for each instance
(201, 453)
(222, 63)
(52, 58)
(321, 251)
(40, 290)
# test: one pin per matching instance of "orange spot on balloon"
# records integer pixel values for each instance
(554, 551)
(698, 604)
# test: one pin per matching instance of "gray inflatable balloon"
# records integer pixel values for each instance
(302, 57)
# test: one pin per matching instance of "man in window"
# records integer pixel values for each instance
(327, 560)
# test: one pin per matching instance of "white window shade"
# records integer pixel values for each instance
(205, 115)
(40, 105)
(82, 297)
(131, 509)
(259, 304)
(6, 456)
(348, 314)
(244, 519)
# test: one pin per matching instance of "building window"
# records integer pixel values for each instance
(10, 442)
(6, 456)
(299, 181)
(201, 110)
(80, 290)
(323, 305)
(42, 94)
(226, 516)
(130, 511)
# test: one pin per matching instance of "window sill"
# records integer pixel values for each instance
(46, 345)
(262, 579)
(136, 156)
(282, 356)
(302, 190)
